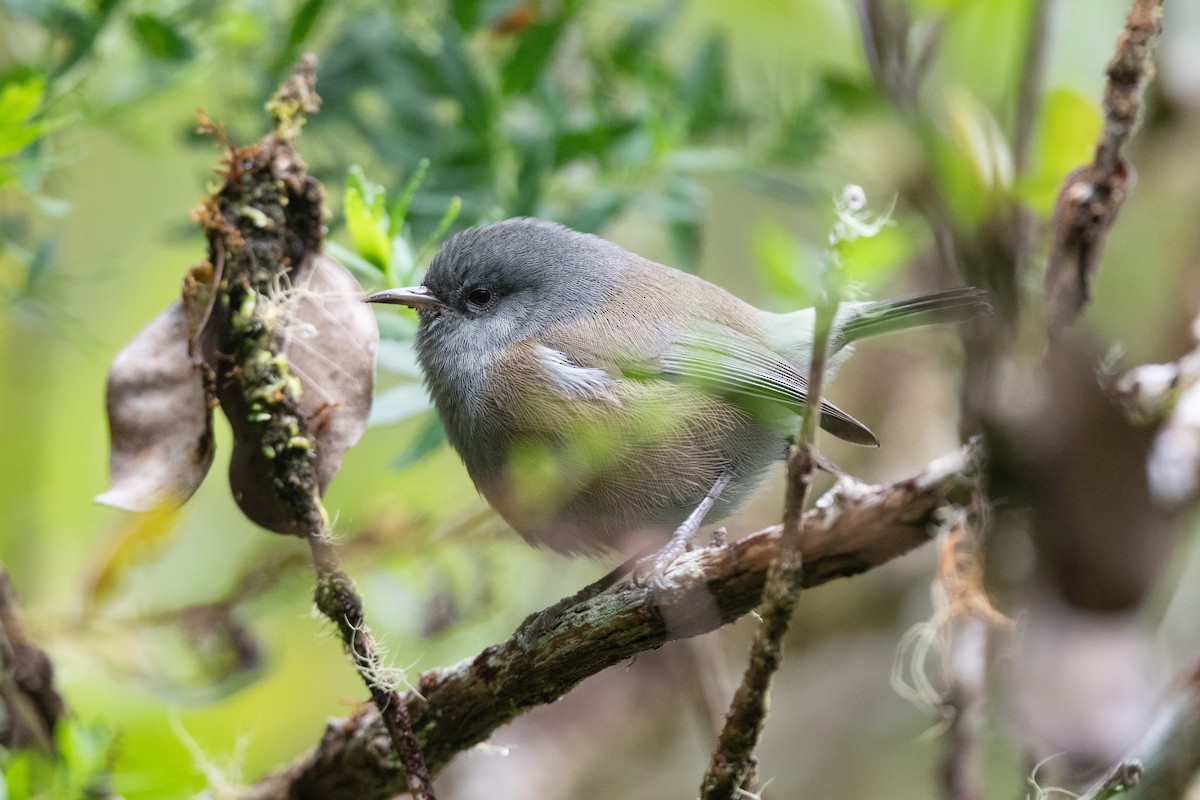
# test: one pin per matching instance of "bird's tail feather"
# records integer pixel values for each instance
(912, 311)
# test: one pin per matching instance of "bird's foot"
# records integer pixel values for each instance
(650, 571)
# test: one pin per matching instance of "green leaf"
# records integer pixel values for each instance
(703, 89)
(851, 94)
(642, 37)
(466, 13)
(534, 164)
(1068, 130)
(398, 404)
(792, 276)
(19, 100)
(428, 440)
(299, 29)
(528, 60)
(435, 237)
(367, 220)
(593, 140)
(161, 39)
(400, 207)
(352, 261)
(302, 23)
(871, 259)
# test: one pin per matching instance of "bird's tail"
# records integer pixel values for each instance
(909, 311)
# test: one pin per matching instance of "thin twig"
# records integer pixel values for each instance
(1170, 753)
(1119, 780)
(1092, 195)
(1033, 78)
(732, 762)
(338, 599)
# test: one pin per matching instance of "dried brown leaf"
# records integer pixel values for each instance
(329, 339)
(159, 419)
(332, 351)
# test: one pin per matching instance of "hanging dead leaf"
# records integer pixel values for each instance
(329, 340)
(331, 346)
(159, 419)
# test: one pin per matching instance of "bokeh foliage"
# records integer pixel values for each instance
(709, 135)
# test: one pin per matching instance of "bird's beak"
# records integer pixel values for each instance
(417, 297)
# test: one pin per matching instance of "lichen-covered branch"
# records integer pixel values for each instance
(291, 421)
(852, 529)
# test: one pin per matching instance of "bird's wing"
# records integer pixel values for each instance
(726, 362)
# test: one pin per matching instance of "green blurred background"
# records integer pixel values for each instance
(708, 135)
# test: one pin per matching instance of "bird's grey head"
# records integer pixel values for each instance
(492, 286)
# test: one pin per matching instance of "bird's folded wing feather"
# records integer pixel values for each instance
(726, 362)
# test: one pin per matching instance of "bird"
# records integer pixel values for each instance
(599, 400)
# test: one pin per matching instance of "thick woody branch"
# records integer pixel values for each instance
(852, 529)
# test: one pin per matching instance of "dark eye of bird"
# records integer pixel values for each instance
(479, 297)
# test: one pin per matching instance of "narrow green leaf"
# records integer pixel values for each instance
(1067, 133)
(302, 23)
(466, 13)
(161, 39)
(527, 61)
(791, 276)
(400, 207)
(19, 99)
(703, 88)
(398, 404)
(367, 220)
(428, 441)
(435, 238)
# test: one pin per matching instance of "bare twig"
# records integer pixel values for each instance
(732, 763)
(970, 616)
(1120, 779)
(1092, 195)
(1033, 76)
(852, 529)
(1170, 754)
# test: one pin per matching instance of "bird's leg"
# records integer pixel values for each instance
(651, 569)
(647, 568)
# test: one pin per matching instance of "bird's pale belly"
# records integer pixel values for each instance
(593, 488)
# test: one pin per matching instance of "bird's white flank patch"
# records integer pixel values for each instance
(571, 379)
